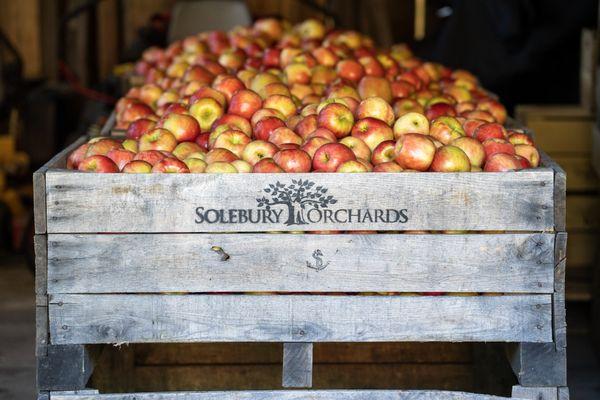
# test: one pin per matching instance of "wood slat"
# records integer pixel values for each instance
(139, 203)
(297, 365)
(288, 395)
(148, 263)
(226, 318)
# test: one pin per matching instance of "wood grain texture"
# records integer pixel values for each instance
(289, 395)
(223, 318)
(560, 191)
(147, 263)
(138, 203)
(65, 367)
(297, 365)
(39, 201)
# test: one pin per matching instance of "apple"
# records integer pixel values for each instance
(490, 130)
(436, 110)
(158, 139)
(184, 149)
(202, 140)
(389, 166)
(150, 156)
(480, 115)
(220, 167)
(352, 166)
(232, 140)
(266, 126)
(219, 155)
(242, 166)
(372, 131)
(325, 56)
(528, 152)
(232, 121)
(137, 167)
(502, 162)
(445, 129)
(450, 159)
(472, 148)
(306, 126)
(297, 73)
(414, 151)
(98, 163)
(520, 138)
(523, 163)
(283, 135)
(266, 166)
(406, 105)
(293, 160)
(493, 107)
(170, 165)
(195, 165)
(101, 146)
(384, 152)
(131, 145)
(337, 118)
(206, 111)
(138, 127)
(471, 125)
(133, 111)
(257, 150)
(371, 86)
(495, 145)
(330, 156)
(324, 133)
(284, 104)
(376, 107)
(206, 92)
(366, 163)
(184, 127)
(312, 144)
(358, 147)
(350, 70)
(411, 122)
(245, 103)
(77, 156)
(120, 157)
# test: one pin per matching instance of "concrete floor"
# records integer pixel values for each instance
(17, 338)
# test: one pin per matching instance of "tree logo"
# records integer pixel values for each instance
(299, 197)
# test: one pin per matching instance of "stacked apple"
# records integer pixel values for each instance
(276, 98)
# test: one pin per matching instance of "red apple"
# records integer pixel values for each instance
(389, 166)
(284, 104)
(184, 127)
(306, 126)
(120, 157)
(138, 127)
(202, 140)
(137, 167)
(519, 138)
(266, 126)
(376, 107)
(337, 118)
(445, 129)
(232, 140)
(384, 152)
(372, 132)
(350, 70)
(232, 121)
(150, 156)
(371, 86)
(330, 156)
(98, 163)
(471, 125)
(257, 150)
(495, 145)
(293, 160)
(472, 148)
(170, 166)
(312, 144)
(488, 131)
(414, 151)
(358, 147)
(266, 166)
(352, 166)
(77, 156)
(219, 155)
(450, 159)
(411, 122)
(157, 139)
(244, 103)
(184, 149)
(528, 152)
(502, 162)
(284, 135)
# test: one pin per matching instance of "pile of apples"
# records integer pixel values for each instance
(275, 98)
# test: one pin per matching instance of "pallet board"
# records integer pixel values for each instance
(150, 263)
(178, 203)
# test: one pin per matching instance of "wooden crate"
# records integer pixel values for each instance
(566, 134)
(163, 259)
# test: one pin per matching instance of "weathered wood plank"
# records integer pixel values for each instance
(222, 318)
(40, 244)
(39, 185)
(289, 395)
(535, 393)
(558, 300)
(560, 191)
(539, 364)
(65, 367)
(146, 263)
(138, 203)
(297, 365)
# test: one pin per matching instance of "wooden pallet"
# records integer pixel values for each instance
(180, 259)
